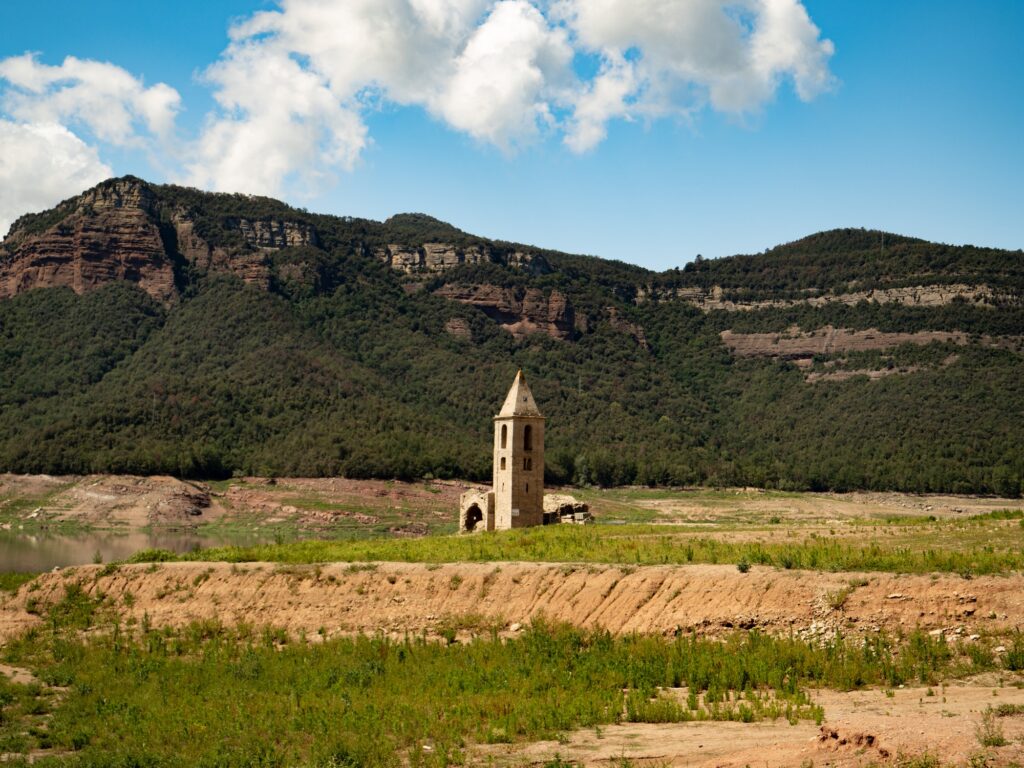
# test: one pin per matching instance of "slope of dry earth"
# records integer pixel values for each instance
(403, 597)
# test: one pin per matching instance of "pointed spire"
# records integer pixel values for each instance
(519, 401)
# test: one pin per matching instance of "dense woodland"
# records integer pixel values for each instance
(340, 370)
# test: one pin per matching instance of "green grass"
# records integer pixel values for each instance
(634, 505)
(208, 694)
(11, 580)
(945, 547)
(15, 509)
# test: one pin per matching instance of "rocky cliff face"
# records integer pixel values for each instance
(120, 230)
(440, 257)
(796, 344)
(622, 325)
(430, 257)
(520, 315)
(109, 234)
(250, 265)
(715, 298)
(126, 229)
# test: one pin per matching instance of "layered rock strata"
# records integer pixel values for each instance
(716, 298)
(520, 315)
(110, 235)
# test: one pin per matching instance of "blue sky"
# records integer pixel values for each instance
(919, 132)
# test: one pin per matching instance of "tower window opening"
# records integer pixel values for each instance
(528, 438)
(504, 435)
(502, 462)
(527, 487)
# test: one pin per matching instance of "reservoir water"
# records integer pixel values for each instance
(42, 551)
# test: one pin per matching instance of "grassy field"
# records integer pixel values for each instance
(10, 581)
(984, 544)
(212, 695)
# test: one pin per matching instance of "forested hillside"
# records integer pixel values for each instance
(158, 329)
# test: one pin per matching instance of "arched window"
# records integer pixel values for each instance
(502, 462)
(528, 438)
(504, 435)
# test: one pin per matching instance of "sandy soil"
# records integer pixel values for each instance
(400, 597)
(861, 728)
(109, 500)
(409, 509)
(823, 508)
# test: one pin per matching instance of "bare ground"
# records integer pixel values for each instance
(821, 508)
(402, 597)
(862, 728)
(415, 508)
(107, 500)
(313, 504)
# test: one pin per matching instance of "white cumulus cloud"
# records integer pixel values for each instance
(40, 165)
(663, 57)
(54, 120)
(279, 119)
(105, 99)
(509, 74)
(295, 84)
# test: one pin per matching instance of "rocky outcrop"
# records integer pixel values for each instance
(127, 229)
(795, 344)
(717, 298)
(250, 264)
(441, 257)
(431, 257)
(274, 234)
(120, 230)
(110, 234)
(458, 328)
(533, 263)
(520, 315)
(622, 325)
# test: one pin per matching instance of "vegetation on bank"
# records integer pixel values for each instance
(11, 580)
(209, 694)
(984, 549)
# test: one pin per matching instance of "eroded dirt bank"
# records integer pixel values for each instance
(401, 597)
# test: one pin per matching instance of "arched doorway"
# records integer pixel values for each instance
(473, 517)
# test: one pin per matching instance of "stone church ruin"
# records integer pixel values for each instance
(516, 498)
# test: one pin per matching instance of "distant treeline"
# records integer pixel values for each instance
(340, 370)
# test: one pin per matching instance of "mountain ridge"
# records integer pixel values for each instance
(416, 229)
(154, 328)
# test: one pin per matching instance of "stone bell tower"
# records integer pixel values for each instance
(518, 460)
